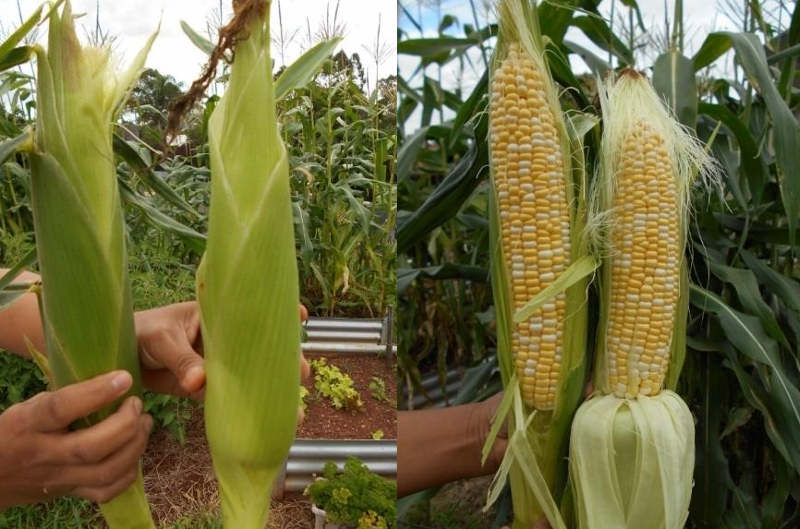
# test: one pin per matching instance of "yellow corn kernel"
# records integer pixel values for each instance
(644, 270)
(528, 164)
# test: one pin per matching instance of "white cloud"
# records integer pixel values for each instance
(174, 54)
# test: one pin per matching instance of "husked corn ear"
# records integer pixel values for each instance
(632, 444)
(531, 191)
(645, 255)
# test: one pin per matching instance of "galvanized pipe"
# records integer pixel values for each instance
(341, 448)
(342, 336)
(309, 467)
(353, 348)
(344, 324)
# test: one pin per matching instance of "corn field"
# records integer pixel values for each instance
(735, 88)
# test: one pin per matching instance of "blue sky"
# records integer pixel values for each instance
(701, 18)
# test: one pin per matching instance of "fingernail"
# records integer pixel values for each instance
(121, 381)
(137, 405)
(194, 373)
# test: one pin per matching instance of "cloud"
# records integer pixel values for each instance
(132, 22)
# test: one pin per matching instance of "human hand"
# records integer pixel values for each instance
(171, 349)
(484, 414)
(42, 459)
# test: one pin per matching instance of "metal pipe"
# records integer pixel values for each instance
(333, 448)
(388, 334)
(342, 336)
(344, 325)
(354, 348)
(307, 468)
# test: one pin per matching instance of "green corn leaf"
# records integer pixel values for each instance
(300, 72)
(12, 145)
(202, 43)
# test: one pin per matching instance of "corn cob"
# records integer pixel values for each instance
(632, 443)
(528, 164)
(645, 271)
(80, 238)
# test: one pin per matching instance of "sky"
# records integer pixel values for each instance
(701, 17)
(131, 22)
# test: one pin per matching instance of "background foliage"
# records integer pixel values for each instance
(738, 90)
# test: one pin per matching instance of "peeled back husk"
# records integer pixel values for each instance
(631, 462)
(86, 296)
(247, 286)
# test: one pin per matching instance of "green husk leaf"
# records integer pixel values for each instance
(631, 462)
(577, 271)
(247, 286)
(86, 303)
(498, 420)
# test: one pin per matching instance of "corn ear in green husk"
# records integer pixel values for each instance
(247, 286)
(539, 264)
(80, 237)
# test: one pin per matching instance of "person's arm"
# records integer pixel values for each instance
(439, 446)
(21, 319)
(169, 341)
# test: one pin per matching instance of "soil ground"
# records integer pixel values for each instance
(179, 479)
(457, 504)
(323, 422)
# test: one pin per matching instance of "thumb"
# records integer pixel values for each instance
(174, 351)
